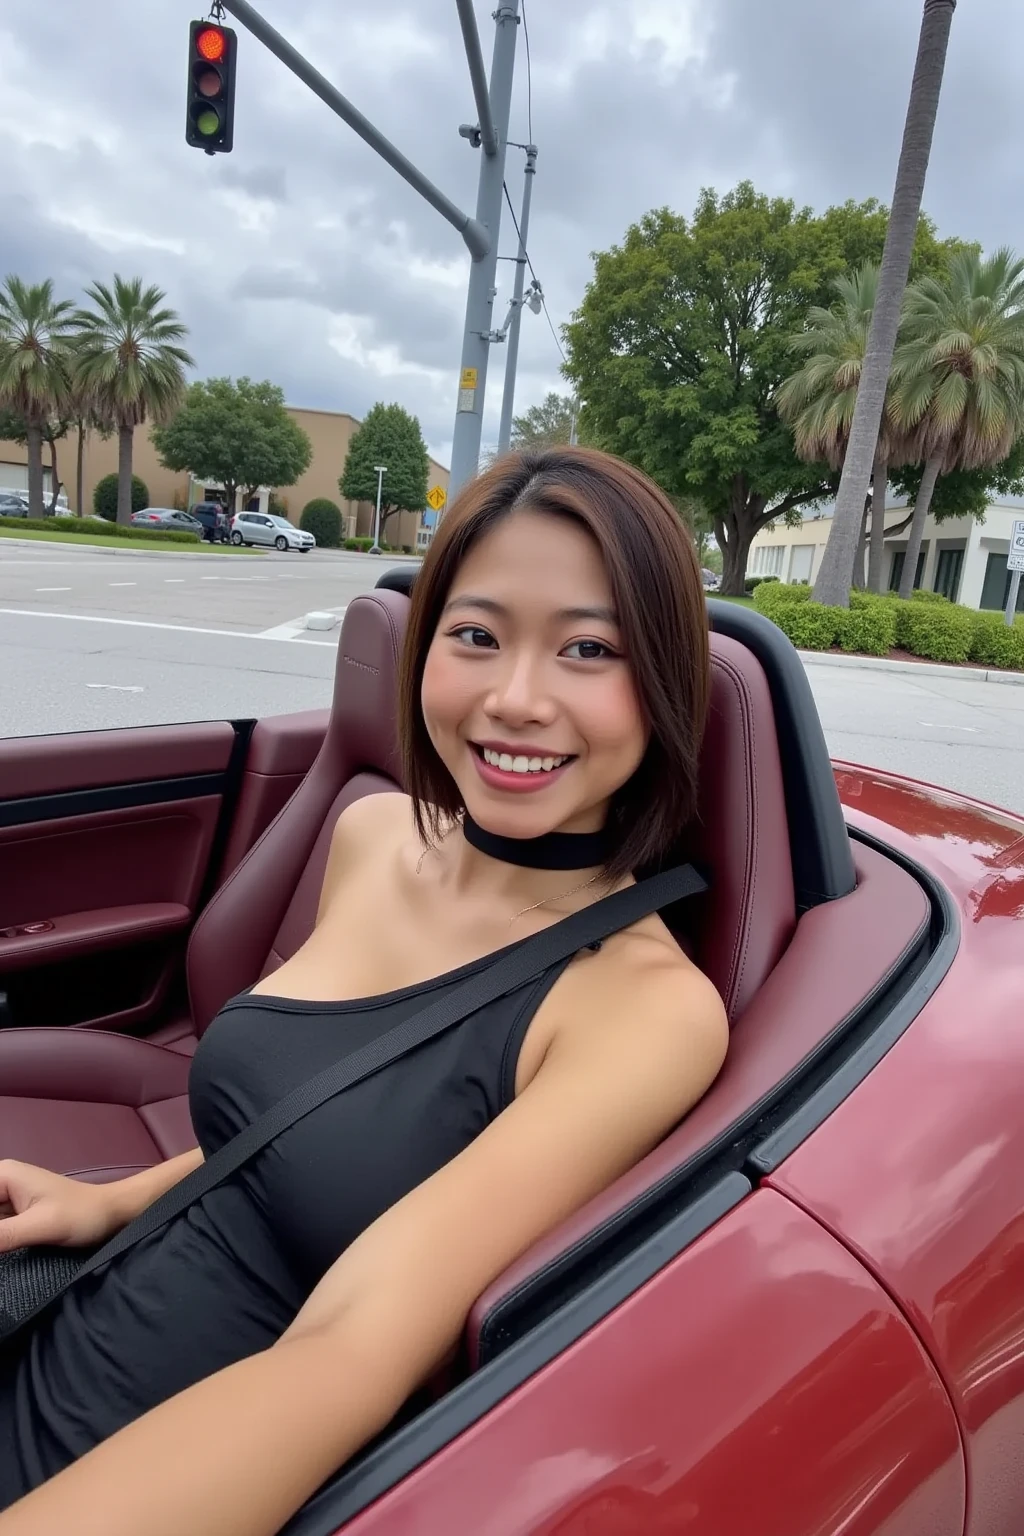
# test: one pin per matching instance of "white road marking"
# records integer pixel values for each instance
(168, 580)
(123, 583)
(930, 724)
(115, 687)
(187, 629)
(294, 629)
(53, 589)
(209, 578)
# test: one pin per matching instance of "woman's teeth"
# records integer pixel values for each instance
(509, 764)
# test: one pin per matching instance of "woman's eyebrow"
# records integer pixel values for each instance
(599, 613)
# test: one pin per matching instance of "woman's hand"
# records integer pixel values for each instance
(38, 1207)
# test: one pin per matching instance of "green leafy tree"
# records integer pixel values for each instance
(683, 338)
(392, 437)
(14, 430)
(834, 576)
(237, 434)
(958, 378)
(130, 364)
(36, 343)
(547, 425)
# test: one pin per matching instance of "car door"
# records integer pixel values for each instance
(264, 528)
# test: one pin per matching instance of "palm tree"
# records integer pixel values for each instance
(129, 365)
(820, 398)
(833, 583)
(958, 377)
(35, 349)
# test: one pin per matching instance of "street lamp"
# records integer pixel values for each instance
(375, 548)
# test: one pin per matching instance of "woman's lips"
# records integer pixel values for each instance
(517, 783)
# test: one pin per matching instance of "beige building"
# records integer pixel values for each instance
(963, 559)
(330, 433)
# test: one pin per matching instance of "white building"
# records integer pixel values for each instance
(963, 559)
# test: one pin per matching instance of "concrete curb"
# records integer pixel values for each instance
(915, 668)
(99, 549)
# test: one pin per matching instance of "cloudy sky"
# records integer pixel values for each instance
(302, 258)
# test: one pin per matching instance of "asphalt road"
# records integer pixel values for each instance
(96, 640)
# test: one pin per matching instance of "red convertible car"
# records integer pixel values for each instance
(803, 1314)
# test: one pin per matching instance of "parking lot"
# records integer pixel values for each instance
(99, 640)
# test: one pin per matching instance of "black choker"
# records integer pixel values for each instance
(555, 850)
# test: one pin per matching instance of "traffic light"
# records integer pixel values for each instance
(209, 123)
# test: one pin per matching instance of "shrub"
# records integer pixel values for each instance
(867, 626)
(104, 497)
(751, 583)
(360, 544)
(939, 631)
(769, 598)
(995, 644)
(920, 596)
(70, 526)
(810, 626)
(322, 518)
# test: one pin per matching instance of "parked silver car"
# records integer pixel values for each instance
(167, 517)
(264, 528)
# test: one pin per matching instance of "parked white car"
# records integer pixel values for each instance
(263, 528)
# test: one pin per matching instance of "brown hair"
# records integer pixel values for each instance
(659, 597)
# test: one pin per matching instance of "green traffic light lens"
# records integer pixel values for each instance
(207, 123)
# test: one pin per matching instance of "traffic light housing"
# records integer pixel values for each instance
(210, 119)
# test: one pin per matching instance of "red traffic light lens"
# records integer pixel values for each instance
(211, 43)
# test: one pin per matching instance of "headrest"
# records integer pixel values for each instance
(365, 711)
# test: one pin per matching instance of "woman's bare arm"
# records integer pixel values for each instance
(239, 1453)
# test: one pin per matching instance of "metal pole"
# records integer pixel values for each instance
(375, 548)
(508, 398)
(480, 298)
(472, 232)
(475, 60)
(1011, 599)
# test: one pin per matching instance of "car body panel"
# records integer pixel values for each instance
(933, 1207)
(761, 1382)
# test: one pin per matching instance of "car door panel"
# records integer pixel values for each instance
(760, 1381)
(106, 840)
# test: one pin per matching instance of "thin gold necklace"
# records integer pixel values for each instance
(573, 891)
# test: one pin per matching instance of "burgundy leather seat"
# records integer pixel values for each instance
(103, 1105)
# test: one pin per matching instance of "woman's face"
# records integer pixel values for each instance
(527, 694)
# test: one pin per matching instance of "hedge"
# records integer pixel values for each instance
(104, 497)
(926, 625)
(73, 525)
(360, 544)
(995, 644)
(322, 518)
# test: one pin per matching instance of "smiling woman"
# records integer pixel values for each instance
(554, 688)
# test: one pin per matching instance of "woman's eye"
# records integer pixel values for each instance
(472, 635)
(588, 650)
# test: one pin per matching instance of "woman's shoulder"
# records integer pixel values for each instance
(373, 815)
(367, 837)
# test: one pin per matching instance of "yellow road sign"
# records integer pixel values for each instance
(468, 380)
(436, 497)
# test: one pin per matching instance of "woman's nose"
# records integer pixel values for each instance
(519, 696)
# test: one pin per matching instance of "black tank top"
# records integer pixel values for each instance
(224, 1280)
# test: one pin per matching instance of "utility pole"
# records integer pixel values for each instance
(479, 331)
(375, 549)
(480, 234)
(512, 359)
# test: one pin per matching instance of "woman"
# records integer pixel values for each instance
(555, 681)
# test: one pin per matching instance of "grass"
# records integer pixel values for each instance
(744, 602)
(111, 541)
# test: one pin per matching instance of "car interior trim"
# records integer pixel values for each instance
(231, 789)
(29, 809)
(868, 1047)
(380, 1466)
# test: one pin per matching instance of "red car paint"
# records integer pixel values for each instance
(842, 1354)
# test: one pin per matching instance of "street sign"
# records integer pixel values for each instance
(1015, 559)
(437, 496)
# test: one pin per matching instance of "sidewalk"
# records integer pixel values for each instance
(918, 668)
